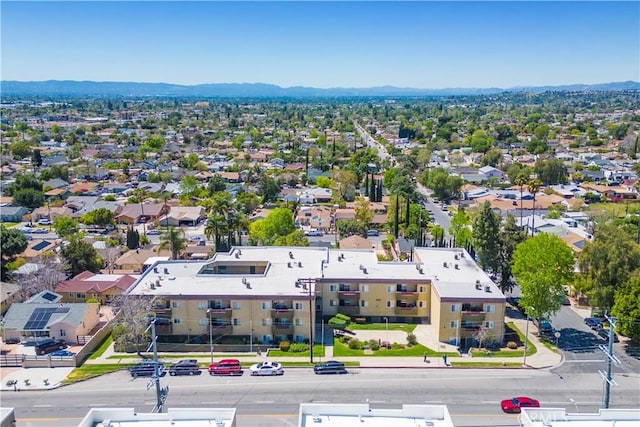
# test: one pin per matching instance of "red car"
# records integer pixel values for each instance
(512, 406)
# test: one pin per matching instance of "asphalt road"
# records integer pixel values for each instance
(472, 395)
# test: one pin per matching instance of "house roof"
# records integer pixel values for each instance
(186, 213)
(88, 281)
(135, 210)
(355, 242)
(37, 247)
(41, 316)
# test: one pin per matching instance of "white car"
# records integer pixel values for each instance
(267, 368)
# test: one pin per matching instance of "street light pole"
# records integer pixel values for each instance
(210, 334)
(526, 338)
(386, 328)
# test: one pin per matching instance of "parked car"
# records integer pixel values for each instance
(226, 367)
(313, 233)
(266, 368)
(564, 300)
(153, 232)
(512, 406)
(371, 233)
(147, 369)
(185, 367)
(604, 333)
(44, 221)
(513, 301)
(330, 367)
(544, 326)
(37, 230)
(593, 323)
(62, 353)
(49, 345)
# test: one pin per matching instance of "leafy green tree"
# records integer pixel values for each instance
(216, 183)
(269, 188)
(542, 265)
(189, 186)
(350, 227)
(324, 182)
(81, 256)
(65, 226)
(627, 307)
(295, 238)
(20, 150)
(363, 211)
(22, 128)
(492, 157)
(459, 228)
(172, 239)
(480, 141)
(133, 238)
(36, 159)
(23, 181)
(486, 228)
(551, 171)
(28, 197)
(247, 202)
(509, 238)
(101, 217)
(12, 242)
(607, 263)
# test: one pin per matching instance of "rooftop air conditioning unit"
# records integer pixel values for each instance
(456, 256)
(289, 264)
(153, 285)
(361, 267)
(237, 255)
(244, 280)
(457, 267)
(445, 265)
(291, 255)
(297, 283)
(155, 269)
(487, 288)
(166, 270)
(364, 270)
(300, 264)
(420, 270)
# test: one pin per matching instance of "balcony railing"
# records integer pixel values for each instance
(406, 310)
(349, 309)
(164, 329)
(282, 328)
(161, 308)
(348, 293)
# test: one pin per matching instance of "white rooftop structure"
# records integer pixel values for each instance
(558, 417)
(278, 269)
(363, 415)
(175, 417)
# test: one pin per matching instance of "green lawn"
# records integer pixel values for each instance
(408, 328)
(484, 364)
(318, 351)
(85, 372)
(418, 350)
(103, 347)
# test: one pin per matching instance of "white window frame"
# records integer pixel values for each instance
(63, 332)
(489, 308)
(364, 288)
(390, 303)
(364, 303)
(391, 289)
(177, 320)
(202, 305)
(333, 288)
(299, 306)
(489, 324)
(333, 303)
(235, 305)
(203, 321)
(453, 324)
(266, 305)
(237, 321)
(298, 321)
(455, 308)
(175, 304)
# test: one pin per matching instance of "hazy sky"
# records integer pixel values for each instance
(323, 44)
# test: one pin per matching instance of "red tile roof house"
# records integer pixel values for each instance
(103, 287)
(133, 213)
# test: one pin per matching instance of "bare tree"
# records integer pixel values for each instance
(48, 271)
(133, 313)
(109, 256)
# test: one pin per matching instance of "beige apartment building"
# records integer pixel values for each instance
(287, 293)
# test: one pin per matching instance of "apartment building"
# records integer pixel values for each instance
(284, 293)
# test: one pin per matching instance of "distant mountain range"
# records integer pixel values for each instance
(263, 90)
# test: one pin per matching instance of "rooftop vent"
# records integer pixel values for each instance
(456, 256)
(445, 265)
(361, 267)
(153, 285)
(457, 267)
(244, 280)
(487, 288)
(166, 270)
(155, 270)
(364, 270)
(290, 254)
(289, 264)
(461, 254)
(420, 270)
(300, 264)
(237, 255)
(478, 285)
(239, 252)
(297, 283)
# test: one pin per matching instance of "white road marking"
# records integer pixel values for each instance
(584, 361)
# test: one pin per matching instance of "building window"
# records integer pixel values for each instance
(333, 288)
(203, 321)
(488, 324)
(236, 322)
(236, 305)
(63, 332)
(454, 324)
(298, 322)
(298, 306)
(489, 308)
(421, 289)
(333, 302)
(391, 289)
(299, 338)
(265, 305)
(175, 304)
(455, 308)
(363, 303)
(81, 295)
(364, 288)
(389, 303)
(266, 322)
(421, 304)
(202, 305)
(267, 339)
(177, 320)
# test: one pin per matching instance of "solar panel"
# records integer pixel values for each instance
(49, 296)
(40, 317)
(40, 245)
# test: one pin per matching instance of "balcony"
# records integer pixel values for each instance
(164, 328)
(219, 306)
(281, 308)
(404, 308)
(161, 307)
(407, 290)
(221, 329)
(349, 309)
(348, 293)
(282, 328)
(469, 308)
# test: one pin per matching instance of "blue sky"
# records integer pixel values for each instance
(323, 44)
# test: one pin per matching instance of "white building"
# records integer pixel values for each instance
(174, 417)
(363, 415)
(558, 417)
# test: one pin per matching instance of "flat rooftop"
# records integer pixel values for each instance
(175, 417)
(332, 415)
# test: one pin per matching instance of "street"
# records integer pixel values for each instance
(472, 395)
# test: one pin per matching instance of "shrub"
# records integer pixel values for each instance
(355, 344)
(298, 347)
(345, 339)
(512, 345)
(285, 345)
(396, 346)
(411, 339)
(374, 345)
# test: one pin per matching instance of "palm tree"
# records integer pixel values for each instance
(521, 180)
(533, 186)
(173, 240)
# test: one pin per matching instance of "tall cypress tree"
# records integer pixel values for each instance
(406, 214)
(379, 191)
(372, 192)
(366, 184)
(396, 226)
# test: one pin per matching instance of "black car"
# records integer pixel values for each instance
(147, 369)
(604, 333)
(185, 367)
(330, 367)
(593, 322)
(49, 345)
(513, 301)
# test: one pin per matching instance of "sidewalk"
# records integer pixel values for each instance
(542, 359)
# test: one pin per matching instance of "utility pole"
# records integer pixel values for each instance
(161, 393)
(606, 376)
